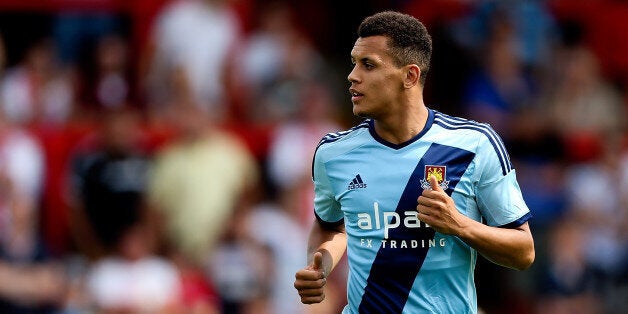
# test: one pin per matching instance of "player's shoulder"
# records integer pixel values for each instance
(339, 143)
(468, 127)
(475, 136)
(336, 138)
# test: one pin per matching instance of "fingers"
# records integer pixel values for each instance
(429, 202)
(306, 285)
(312, 296)
(318, 261)
(435, 191)
(434, 184)
(432, 199)
(310, 285)
(426, 214)
(311, 280)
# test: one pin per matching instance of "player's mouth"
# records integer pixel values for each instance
(355, 95)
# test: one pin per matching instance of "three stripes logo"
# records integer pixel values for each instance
(356, 183)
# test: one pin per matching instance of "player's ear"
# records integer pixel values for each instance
(412, 75)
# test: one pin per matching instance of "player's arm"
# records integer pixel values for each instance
(327, 241)
(509, 247)
(330, 241)
(326, 246)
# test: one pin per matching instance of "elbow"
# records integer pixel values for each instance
(526, 260)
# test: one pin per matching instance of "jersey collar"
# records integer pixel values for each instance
(428, 125)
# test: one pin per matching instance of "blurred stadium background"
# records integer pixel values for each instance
(155, 155)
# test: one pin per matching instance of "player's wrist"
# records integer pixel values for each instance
(464, 227)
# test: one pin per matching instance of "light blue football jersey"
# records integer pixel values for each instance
(398, 264)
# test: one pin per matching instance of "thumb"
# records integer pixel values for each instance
(434, 184)
(317, 263)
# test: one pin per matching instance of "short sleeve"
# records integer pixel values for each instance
(326, 208)
(498, 193)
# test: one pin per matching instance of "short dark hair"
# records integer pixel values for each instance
(408, 39)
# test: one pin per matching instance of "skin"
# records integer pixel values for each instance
(393, 97)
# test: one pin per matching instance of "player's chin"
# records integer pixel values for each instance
(360, 112)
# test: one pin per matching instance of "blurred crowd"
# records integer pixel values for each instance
(165, 167)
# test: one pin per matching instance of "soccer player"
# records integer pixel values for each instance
(412, 194)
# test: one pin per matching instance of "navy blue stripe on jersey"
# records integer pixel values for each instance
(452, 124)
(394, 270)
(517, 222)
(332, 137)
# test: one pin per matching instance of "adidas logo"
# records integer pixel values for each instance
(356, 183)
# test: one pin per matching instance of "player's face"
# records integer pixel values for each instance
(376, 83)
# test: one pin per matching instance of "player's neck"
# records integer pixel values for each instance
(402, 127)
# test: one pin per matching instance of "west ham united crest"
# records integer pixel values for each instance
(440, 172)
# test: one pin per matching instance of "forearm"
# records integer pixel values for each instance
(332, 243)
(513, 248)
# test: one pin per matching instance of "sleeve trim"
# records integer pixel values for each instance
(517, 222)
(327, 224)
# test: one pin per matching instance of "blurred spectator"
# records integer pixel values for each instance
(534, 28)
(601, 212)
(21, 174)
(292, 143)
(108, 183)
(286, 252)
(128, 276)
(195, 37)
(567, 285)
(583, 106)
(242, 269)
(21, 169)
(37, 90)
(197, 181)
(604, 28)
(133, 279)
(76, 28)
(108, 81)
(30, 282)
(279, 61)
(500, 85)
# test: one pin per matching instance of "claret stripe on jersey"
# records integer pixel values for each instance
(394, 271)
(453, 123)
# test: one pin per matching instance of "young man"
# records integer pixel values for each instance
(412, 193)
